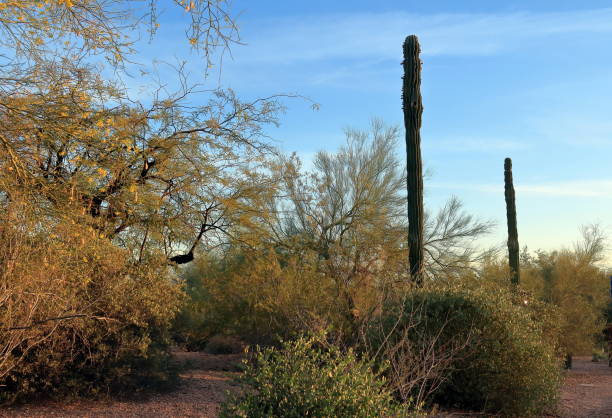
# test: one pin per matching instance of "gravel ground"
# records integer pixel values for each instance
(588, 390)
(202, 390)
(587, 393)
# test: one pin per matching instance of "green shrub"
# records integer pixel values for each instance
(78, 317)
(572, 281)
(259, 296)
(196, 322)
(303, 380)
(496, 351)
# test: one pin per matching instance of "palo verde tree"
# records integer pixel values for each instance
(350, 211)
(574, 281)
(100, 191)
(157, 176)
(152, 177)
(413, 110)
(36, 29)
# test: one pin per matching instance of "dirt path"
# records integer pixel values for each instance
(587, 391)
(203, 389)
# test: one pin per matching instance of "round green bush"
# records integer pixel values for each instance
(302, 380)
(505, 358)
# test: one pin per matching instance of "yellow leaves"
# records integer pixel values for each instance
(132, 188)
(102, 172)
(193, 41)
(108, 123)
(229, 203)
(212, 124)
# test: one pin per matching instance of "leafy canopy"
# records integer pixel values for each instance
(155, 175)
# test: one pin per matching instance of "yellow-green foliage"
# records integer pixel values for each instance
(256, 295)
(77, 317)
(571, 281)
(302, 379)
(99, 191)
(43, 29)
(506, 361)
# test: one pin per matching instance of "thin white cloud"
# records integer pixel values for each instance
(473, 144)
(378, 35)
(573, 188)
(576, 127)
(352, 74)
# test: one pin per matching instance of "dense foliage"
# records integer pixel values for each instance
(255, 294)
(102, 194)
(572, 281)
(77, 316)
(492, 348)
(304, 379)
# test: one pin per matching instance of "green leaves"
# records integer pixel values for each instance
(308, 377)
(496, 352)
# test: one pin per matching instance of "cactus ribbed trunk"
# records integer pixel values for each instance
(513, 244)
(413, 110)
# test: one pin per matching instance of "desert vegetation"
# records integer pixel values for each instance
(129, 226)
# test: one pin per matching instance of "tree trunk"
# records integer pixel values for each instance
(413, 110)
(513, 244)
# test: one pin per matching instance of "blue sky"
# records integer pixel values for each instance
(523, 79)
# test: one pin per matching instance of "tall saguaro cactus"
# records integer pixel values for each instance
(413, 110)
(513, 244)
